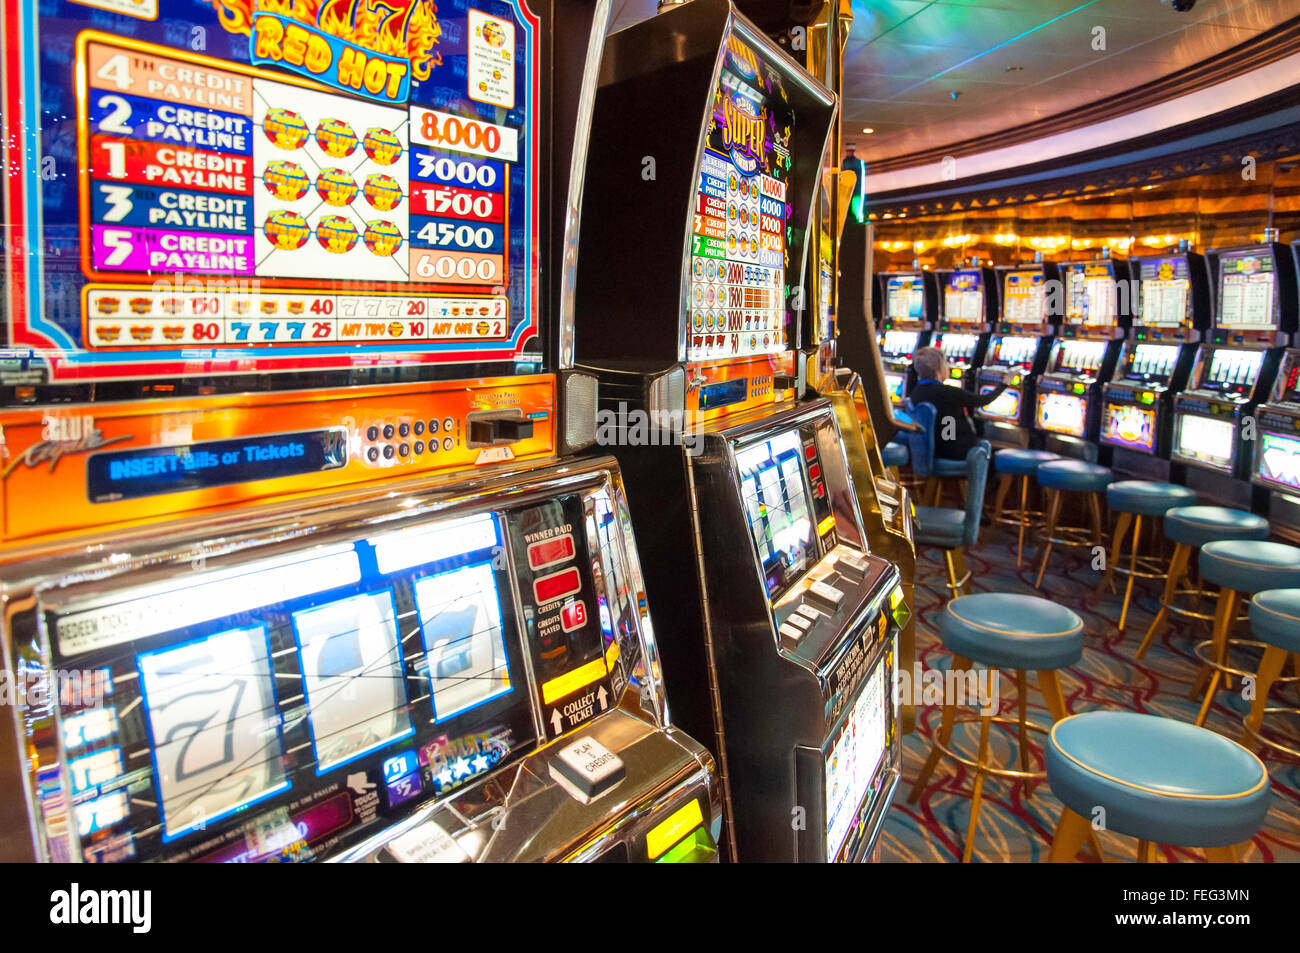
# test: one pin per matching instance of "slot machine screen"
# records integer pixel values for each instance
(1128, 425)
(1024, 299)
(963, 297)
(1090, 293)
(900, 343)
(895, 383)
(1206, 439)
(1279, 460)
(1247, 290)
(1166, 291)
(1152, 362)
(268, 695)
(1061, 413)
(777, 504)
(1015, 351)
(853, 758)
(1081, 356)
(1232, 371)
(1289, 382)
(738, 247)
(1007, 405)
(904, 298)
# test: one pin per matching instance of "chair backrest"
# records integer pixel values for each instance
(977, 474)
(920, 446)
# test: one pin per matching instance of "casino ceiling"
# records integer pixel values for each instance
(925, 75)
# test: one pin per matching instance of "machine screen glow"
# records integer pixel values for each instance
(899, 343)
(1166, 285)
(1151, 361)
(1207, 439)
(1015, 350)
(1232, 370)
(895, 384)
(852, 760)
(460, 616)
(352, 667)
(1025, 297)
(738, 240)
(1091, 296)
(777, 504)
(1061, 413)
(1246, 291)
(905, 298)
(214, 728)
(1128, 425)
(963, 297)
(1279, 460)
(958, 347)
(1007, 405)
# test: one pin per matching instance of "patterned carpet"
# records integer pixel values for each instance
(1015, 824)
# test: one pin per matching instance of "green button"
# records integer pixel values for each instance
(696, 847)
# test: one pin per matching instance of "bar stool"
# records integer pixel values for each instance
(1059, 477)
(1275, 621)
(1237, 566)
(1012, 463)
(1157, 779)
(1133, 500)
(1189, 528)
(894, 455)
(1003, 630)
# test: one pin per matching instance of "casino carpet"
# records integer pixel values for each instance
(1016, 824)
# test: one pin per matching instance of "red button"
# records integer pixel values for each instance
(573, 615)
(810, 451)
(821, 490)
(814, 471)
(557, 585)
(550, 551)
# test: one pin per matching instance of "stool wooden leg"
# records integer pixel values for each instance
(1094, 511)
(977, 794)
(1270, 667)
(963, 575)
(1177, 569)
(1116, 549)
(1224, 615)
(1070, 834)
(1049, 684)
(959, 664)
(999, 501)
(1221, 855)
(1053, 509)
(1132, 570)
(1021, 719)
(1024, 511)
(951, 566)
(1146, 852)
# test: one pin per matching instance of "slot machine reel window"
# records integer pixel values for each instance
(1152, 362)
(1166, 285)
(1082, 357)
(900, 343)
(1129, 425)
(307, 697)
(1247, 291)
(1232, 372)
(1207, 439)
(777, 503)
(738, 245)
(1016, 351)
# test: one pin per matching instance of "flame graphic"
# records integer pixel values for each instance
(399, 28)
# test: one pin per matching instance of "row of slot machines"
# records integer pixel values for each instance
(367, 498)
(1166, 366)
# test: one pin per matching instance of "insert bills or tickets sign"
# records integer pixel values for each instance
(152, 471)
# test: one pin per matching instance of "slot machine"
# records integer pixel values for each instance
(967, 309)
(776, 623)
(1017, 351)
(297, 561)
(1254, 315)
(908, 303)
(1173, 310)
(1067, 396)
(1275, 463)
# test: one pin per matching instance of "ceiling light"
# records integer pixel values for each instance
(868, 130)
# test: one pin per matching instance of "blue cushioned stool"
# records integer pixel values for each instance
(894, 454)
(1189, 528)
(1134, 501)
(951, 530)
(1237, 566)
(1157, 779)
(1275, 623)
(1013, 464)
(1003, 630)
(1059, 477)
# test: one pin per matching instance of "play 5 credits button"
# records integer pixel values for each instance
(573, 615)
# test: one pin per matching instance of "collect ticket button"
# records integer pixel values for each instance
(550, 551)
(557, 585)
(790, 635)
(853, 564)
(800, 622)
(573, 615)
(586, 768)
(427, 844)
(808, 612)
(829, 595)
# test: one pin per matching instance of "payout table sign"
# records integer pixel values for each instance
(258, 185)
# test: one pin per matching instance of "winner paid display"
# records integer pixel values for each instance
(775, 623)
(292, 566)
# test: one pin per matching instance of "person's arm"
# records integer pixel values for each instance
(983, 400)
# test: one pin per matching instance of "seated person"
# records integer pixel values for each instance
(951, 440)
